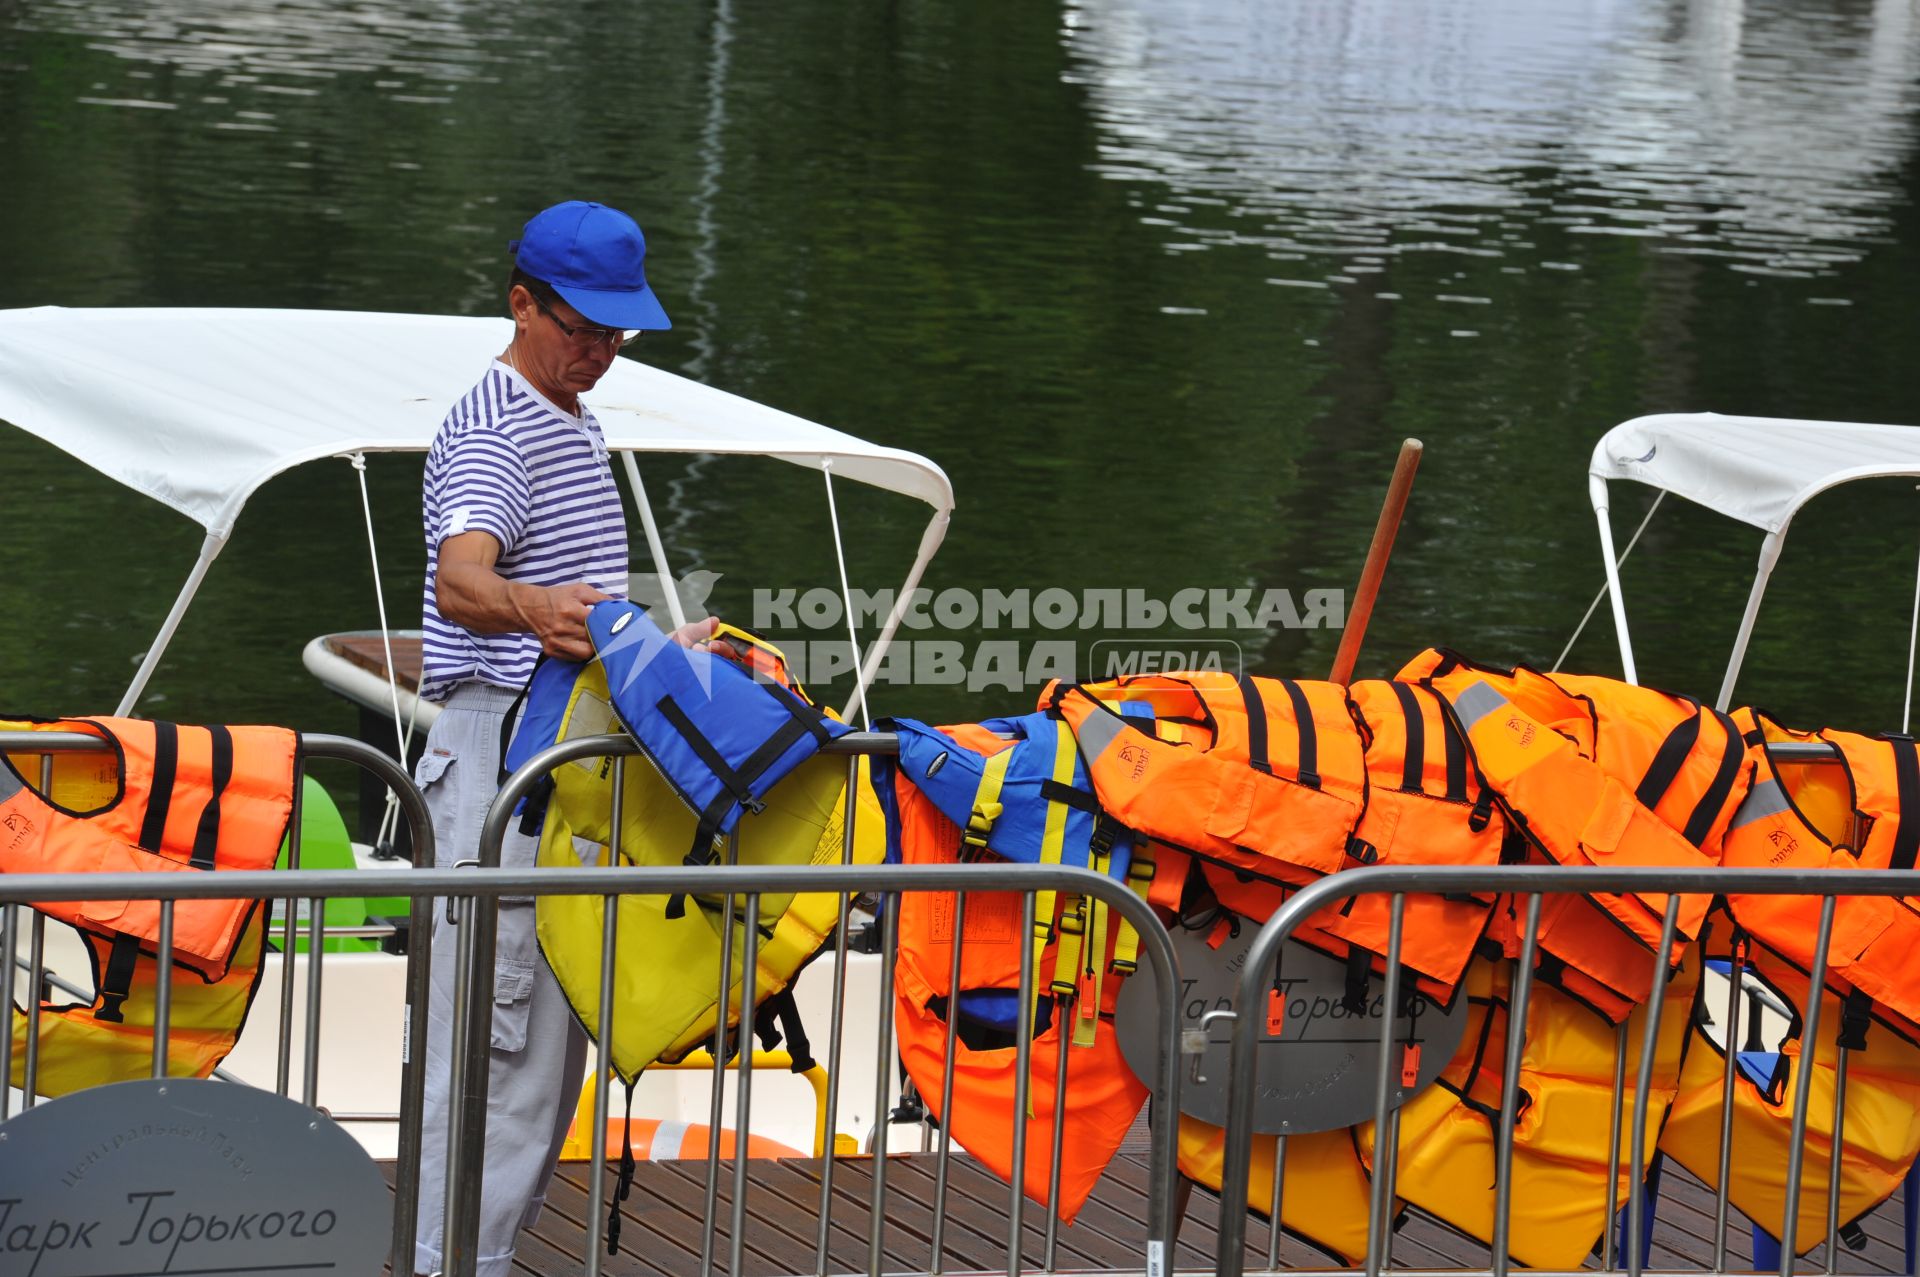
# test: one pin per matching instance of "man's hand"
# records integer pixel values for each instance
(694, 633)
(557, 616)
(470, 593)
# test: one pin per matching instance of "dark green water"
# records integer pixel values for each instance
(1160, 284)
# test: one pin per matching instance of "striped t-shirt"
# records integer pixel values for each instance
(509, 463)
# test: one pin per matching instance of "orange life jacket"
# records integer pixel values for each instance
(1269, 777)
(1859, 812)
(166, 799)
(1426, 805)
(1593, 771)
(111, 1038)
(1102, 1096)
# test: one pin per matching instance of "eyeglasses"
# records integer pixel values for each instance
(586, 334)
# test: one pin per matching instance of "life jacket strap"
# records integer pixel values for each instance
(1906, 775)
(116, 982)
(166, 762)
(206, 835)
(624, 1186)
(1856, 1014)
(986, 805)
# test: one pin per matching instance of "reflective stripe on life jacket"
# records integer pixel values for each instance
(1881, 1114)
(1102, 1097)
(1267, 778)
(1859, 811)
(1448, 1133)
(111, 1038)
(167, 798)
(1584, 776)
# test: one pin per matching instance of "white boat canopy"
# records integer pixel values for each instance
(197, 408)
(1759, 470)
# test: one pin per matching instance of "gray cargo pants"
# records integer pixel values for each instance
(539, 1050)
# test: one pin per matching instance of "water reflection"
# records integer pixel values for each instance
(1763, 134)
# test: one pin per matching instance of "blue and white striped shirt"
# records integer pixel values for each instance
(509, 463)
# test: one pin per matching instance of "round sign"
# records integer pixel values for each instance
(1320, 1071)
(187, 1176)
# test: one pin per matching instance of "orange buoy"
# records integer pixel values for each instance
(664, 1140)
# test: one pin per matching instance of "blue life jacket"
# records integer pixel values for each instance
(719, 736)
(1004, 802)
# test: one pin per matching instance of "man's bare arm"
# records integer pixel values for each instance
(470, 593)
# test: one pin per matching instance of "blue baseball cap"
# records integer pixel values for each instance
(595, 259)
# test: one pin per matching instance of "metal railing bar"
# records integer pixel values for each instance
(883, 1067)
(471, 1000)
(1022, 1090)
(316, 959)
(603, 1039)
(9, 937)
(163, 989)
(716, 1101)
(771, 879)
(1803, 1085)
(1069, 1007)
(1378, 1234)
(1611, 1196)
(850, 810)
(942, 1159)
(1836, 1151)
(1736, 977)
(1279, 1201)
(602, 1076)
(1643, 1089)
(1519, 1000)
(36, 964)
(49, 978)
(743, 1085)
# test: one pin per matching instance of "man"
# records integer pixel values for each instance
(524, 535)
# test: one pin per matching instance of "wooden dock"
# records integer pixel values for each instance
(663, 1226)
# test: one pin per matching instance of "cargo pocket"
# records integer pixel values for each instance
(512, 1002)
(1283, 821)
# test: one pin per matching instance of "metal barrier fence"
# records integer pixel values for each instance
(1531, 883)
(741, 888)
(287, 885)
(475, 893)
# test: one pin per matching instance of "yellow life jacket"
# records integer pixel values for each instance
(1448, 1133)
(1326, 1194)
(111, 1038)
(1882, 1111)
(666, 974)
(1593, 771)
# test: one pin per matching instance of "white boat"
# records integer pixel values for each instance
(198, 408)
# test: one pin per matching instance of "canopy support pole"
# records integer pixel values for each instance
(667, 586)
(1597, 491)
(1769, 555)
(930, 540)
(1913, 641)
(209, 550)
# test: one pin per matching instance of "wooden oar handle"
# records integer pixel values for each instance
(1376, 566)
